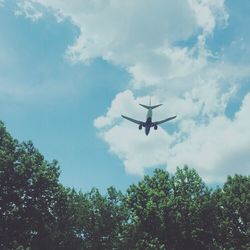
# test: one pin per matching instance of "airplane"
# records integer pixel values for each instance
(148, 124)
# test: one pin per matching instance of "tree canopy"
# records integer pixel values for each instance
(162, 211)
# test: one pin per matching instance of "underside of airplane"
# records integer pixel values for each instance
(149, 123)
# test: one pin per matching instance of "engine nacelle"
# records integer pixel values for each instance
(155, 127)
(140, 126)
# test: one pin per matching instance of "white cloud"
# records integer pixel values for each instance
(204, 138)
(135, 149)
(217, 149)
(29, 9)
(214, 148)
(209, 13)
(140, 36)
(110, 27)
(189, 79)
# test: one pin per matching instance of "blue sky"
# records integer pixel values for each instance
(67, 73)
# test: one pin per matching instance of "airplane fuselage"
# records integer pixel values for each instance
(148, 123)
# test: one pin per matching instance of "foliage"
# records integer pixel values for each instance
(104, 219)
(32, 202)
(233, 206)
(162, 211)
(172, 209)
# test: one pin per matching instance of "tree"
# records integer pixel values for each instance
(146, 202)
(105, 221)
(31, 198)
(233, 206)
(191, 211)
(171, 212)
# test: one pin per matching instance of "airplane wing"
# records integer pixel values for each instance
(165, 120)
(133, 120)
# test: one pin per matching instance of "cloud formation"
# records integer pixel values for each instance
(218, 148)
(163, 46)
(28, 9)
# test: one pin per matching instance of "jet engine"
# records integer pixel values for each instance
(155, 127)
(140, 126)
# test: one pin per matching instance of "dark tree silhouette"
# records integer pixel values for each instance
(33, 205)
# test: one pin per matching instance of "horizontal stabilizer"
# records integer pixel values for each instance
(150, 107)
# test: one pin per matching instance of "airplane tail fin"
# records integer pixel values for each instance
(150, 107)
